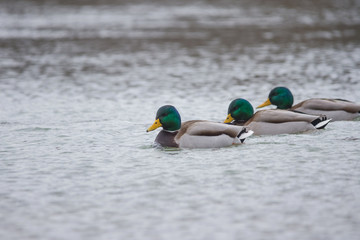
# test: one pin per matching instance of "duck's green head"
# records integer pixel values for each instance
(239, 110)
(167, 117)
(280, 97)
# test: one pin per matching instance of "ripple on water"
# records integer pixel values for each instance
(81, 84)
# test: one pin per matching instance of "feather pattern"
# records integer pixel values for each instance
(337, 109)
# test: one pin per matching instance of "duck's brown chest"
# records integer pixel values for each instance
(166, 139)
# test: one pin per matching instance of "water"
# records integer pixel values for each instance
(80, 83)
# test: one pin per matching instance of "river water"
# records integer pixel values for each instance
(81, 81)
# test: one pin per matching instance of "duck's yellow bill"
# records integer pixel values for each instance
(229, 118)
(155, 125)
(266, 103)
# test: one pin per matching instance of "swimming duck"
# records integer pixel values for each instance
(196, 133)
(275, 121)
(336, 109)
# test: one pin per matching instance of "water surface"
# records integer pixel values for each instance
(80, 83)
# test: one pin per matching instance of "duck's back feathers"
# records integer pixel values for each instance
(280, 116)
(205, 128)
(328, 105)
(337, 109)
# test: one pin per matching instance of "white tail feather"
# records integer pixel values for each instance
(246, 134)
(322, 124)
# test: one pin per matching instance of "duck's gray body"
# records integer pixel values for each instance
(276, 121)
(336, 109)
(203, 134)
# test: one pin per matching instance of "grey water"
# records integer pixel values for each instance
(80, 82)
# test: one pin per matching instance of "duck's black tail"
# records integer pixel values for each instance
(321, 122)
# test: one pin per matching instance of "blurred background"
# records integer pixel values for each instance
(164, 51)
(80, 81)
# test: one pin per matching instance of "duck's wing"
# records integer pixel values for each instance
(325, 104)
(281, 116)
(206, 128)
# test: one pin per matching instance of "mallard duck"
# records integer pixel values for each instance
(196, 133)
(336, 109)
(276, 121)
